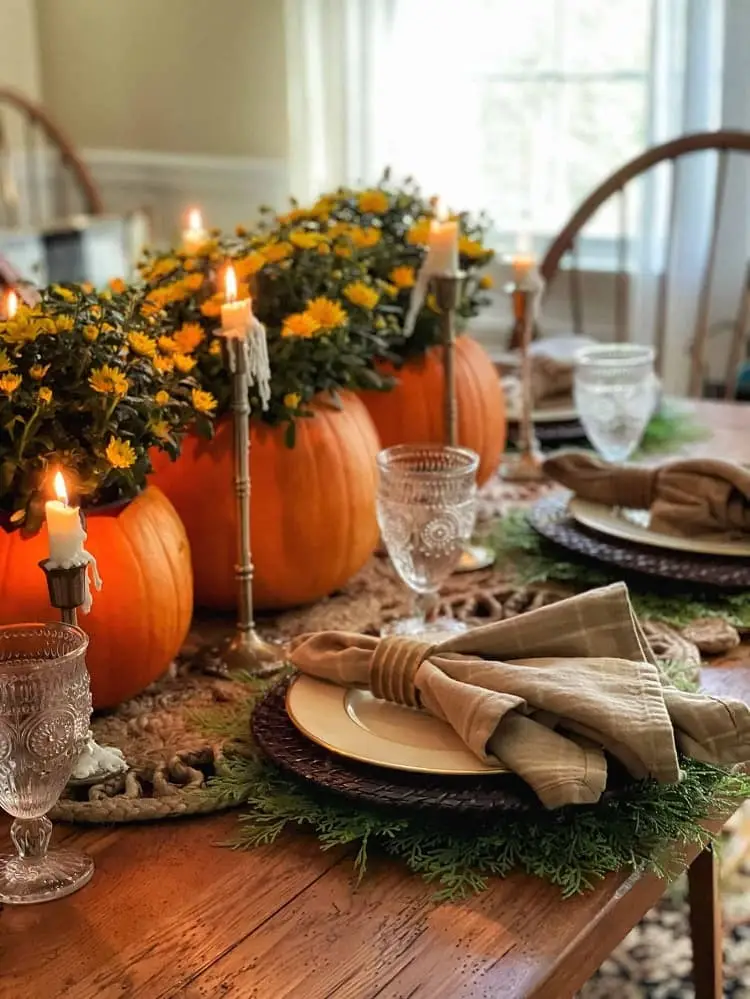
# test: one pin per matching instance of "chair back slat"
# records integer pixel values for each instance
(667, 270)
(662, 291)
(740, 334)
(576, 295)
(621, 281)
(704, 299)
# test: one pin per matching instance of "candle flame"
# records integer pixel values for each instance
(60, 489)
(230, 285)
(195, 220)
(11, 304)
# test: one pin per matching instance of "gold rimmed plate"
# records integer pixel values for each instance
(358, 726)
(632, 525)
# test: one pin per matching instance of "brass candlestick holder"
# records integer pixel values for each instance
(448, 289)
(67, 592)
(246, 650)
(526, 466)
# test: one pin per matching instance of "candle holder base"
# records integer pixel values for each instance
(525, 467)
(248, 652)
(475, 557)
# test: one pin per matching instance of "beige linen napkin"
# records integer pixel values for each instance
(551, 382)
(700, 498)
(546, 692)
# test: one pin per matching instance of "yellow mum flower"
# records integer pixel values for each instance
(376, 202)
(96, 311)
(64, 324)
(190, 264)
(120, 454)
(141, 343)
(203, 402)
(90, 333)
(403, 277)
(471, 248)
(64, 293)
(419, 234)
(342, 250)
(327, 313)
(164, 365)
(9, 383)
(87, 287)
(184, 363)
(275, 252)
(292, 400)
(160, 268)
(45, 395)
(211, 308)
(117, 285)
(361, 294)
(38, 371)
(245, 267)
(159, 428)
(188, 337)
(108, 381)
(324, 249)
(306, 240)
(193, 282)
(167, 344)
(161, 398)
(486, 282)
(365, 238)
(300, 324)
(5, 362)
(215, 347)
(389, 289)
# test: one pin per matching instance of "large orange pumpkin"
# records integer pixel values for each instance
(141, 615)
(312, 506)
(412, 413)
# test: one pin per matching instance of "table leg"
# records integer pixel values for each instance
(705, 925)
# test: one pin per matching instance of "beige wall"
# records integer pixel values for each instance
(185, 76)
(19, 62)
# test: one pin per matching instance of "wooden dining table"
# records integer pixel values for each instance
(173, 912)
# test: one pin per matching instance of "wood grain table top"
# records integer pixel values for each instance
(171, 913)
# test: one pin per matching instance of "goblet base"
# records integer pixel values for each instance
(28, 880)
(436, 630)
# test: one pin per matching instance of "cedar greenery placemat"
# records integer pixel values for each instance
(572, 847)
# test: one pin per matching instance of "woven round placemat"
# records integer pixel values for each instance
(550, 518)
(490, 795)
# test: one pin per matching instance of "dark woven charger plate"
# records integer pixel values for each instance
(295, 754)
(550, 517)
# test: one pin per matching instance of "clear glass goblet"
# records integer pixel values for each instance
(45, 709)
(616, 392)
(426, 512)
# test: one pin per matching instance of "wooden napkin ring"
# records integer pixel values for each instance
(394, 667)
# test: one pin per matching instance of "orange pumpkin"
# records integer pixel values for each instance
(412, 413)
(141, 615)
(312, 506)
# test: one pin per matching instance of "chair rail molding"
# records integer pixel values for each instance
(227, 189)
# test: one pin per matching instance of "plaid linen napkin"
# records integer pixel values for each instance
(546, 693)
(700, 498)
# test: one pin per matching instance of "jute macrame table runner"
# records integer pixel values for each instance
(168, 733)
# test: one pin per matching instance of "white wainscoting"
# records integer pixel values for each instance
(228, 189)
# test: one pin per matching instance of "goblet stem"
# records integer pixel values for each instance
(425, 606)
(31, 837)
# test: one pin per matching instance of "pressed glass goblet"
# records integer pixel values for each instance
(615, 394)
(45, 708)
(426, 511)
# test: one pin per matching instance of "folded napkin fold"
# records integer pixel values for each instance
(700, 498)
(546, 693)
(551, 382)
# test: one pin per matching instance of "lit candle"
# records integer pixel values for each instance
(523, 262)
(11, 304)
(443, 244)
(236, 314)
(195, 235)
(66, 533)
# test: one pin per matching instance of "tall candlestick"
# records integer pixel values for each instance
(194, 236)
(443, 244)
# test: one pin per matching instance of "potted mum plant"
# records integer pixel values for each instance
(386, 230)
(82, 391)
(313, 450)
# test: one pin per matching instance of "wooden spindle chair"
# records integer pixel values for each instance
(722, 143)
(56, 184)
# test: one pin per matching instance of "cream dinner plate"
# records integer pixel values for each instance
(361, 727)
(631, 525)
